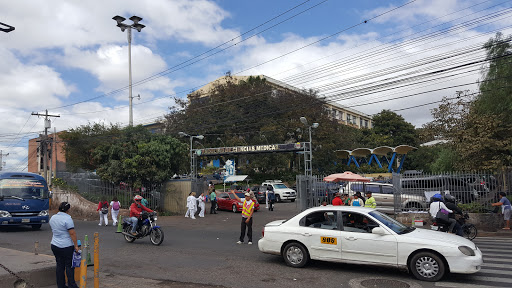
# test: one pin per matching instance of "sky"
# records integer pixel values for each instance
(68, 57)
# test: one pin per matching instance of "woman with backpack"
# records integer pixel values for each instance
(103, 209)
(116, 205)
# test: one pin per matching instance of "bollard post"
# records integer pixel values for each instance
(96, 260)
(83, 265)
(36, 247)
(119, 225)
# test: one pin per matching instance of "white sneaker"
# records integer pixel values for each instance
(250, 243)
(192, 217)
(115, 224)
(239, 242)
(99, 224)
(186, 216)
(266, 207)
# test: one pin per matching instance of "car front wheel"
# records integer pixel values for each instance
(234, 208)
(427, 266)
(295, 255)
(278, 198)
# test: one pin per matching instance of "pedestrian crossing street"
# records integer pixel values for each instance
(496, 270)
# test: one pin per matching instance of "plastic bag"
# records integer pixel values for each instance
(77, 259)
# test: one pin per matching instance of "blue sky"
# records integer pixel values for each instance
(66, 52)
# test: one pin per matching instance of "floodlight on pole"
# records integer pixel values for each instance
(137, 26)
(308, 151)
(192, 166)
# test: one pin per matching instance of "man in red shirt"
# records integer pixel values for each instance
(135, 211)
(337, 200)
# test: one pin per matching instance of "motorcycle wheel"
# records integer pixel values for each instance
(469, 231)
(156, 236)
(128, 239)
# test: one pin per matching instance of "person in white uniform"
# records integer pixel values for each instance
(116, 206)
(202, 204)
(191, 205)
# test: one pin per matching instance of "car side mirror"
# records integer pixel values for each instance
(379, 231)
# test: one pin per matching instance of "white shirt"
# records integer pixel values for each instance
(191, 202)
(436, 206)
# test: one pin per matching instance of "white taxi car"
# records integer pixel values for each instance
(366, 236)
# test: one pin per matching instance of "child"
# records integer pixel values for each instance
(116, 205)
(103, 211)
(191, 205)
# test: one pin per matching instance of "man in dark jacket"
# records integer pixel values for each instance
(450, 204)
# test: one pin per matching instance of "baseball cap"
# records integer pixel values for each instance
(248, 194)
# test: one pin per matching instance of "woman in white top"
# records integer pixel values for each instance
(436, 205)
(202, 204)
(191, 205)
(116, 206)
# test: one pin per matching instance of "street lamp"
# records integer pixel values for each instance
(218, 138)
(137, 26)
(192, 166)
(308, 154)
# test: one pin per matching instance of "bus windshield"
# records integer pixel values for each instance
(22, 188)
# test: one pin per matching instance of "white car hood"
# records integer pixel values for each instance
(431, 235)
(284, 190)
(275, 223)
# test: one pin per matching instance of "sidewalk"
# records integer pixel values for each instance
(37, 270)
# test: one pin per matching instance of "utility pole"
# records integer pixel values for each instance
(1, 160)
(44, 142)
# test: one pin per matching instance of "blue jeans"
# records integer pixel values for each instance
(134, 221)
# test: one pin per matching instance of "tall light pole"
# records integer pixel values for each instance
(218, 138)
(308, 151)
(193, 171)
(138, 27)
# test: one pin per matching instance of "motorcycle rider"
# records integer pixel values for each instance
(450, 203)
(135, 211)
(436, 205)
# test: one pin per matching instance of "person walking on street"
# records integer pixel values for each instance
(271, 199)
(247, 211)
(213, 201)
(191, 205)
(505, 209)
(63, 244)
(116, 205)
(202, 204)
(103, 211)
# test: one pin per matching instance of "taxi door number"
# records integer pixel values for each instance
(328, 240)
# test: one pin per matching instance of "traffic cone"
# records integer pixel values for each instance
(119, 225)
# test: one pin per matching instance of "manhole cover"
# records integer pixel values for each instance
(370, 283)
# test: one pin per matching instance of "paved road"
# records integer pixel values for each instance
(204, 251)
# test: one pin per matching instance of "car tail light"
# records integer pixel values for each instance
(263, 232)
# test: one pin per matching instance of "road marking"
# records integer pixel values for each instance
(496, 260)
(463, 285)
(497, 265)
(484, 249)
(494, 271)
(491, 279)
(496, 255)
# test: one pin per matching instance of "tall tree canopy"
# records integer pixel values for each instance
(390, 129)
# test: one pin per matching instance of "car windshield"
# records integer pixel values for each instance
(240, 195)
(280, 186)
(23, 188)
(391, 223)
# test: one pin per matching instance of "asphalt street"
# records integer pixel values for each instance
(204, 251)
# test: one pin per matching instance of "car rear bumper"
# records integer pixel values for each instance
(24, 220)
(269, 247)
(466, 265)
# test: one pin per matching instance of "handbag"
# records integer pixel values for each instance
(442, 214)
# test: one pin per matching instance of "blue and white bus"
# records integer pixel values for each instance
(24, 199)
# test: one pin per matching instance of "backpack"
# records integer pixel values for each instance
(104, 208)
(115, 206)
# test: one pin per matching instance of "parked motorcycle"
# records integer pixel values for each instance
(468, 230)
(145, 227)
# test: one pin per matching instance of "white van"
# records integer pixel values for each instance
(281, 191)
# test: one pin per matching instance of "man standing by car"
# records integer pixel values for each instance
(213, 200)
(247, 211)
(370, 201)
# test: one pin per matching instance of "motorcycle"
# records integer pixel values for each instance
(145, 227)
(468, 230)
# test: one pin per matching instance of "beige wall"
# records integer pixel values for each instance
(175, 196)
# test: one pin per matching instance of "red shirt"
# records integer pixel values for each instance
(135, 211)
(101, 205)
(337, 201)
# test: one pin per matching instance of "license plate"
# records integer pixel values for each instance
(25, 220)
(328, 240)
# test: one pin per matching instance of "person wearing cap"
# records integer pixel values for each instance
(337, 200)
(357, 201)
(64, 243)
(370, 201)
(247, 211)
(135, 211)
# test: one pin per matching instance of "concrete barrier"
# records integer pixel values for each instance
(38, 270)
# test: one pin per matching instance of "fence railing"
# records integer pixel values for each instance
(412, 192)
(92, 188)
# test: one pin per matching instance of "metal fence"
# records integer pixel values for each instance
(411, 192)
(92, 188)
(474, 190)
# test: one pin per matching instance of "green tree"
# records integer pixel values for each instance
(390, 129)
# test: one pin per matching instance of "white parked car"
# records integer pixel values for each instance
(366, 236)
(280, 190)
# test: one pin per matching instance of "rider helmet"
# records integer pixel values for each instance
(449, 198)
(137, 198)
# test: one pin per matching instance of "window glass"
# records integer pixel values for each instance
(357, 188)
(387, 190)
(223, 195)
(321, 219)
(373, 188)
(355, 222)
